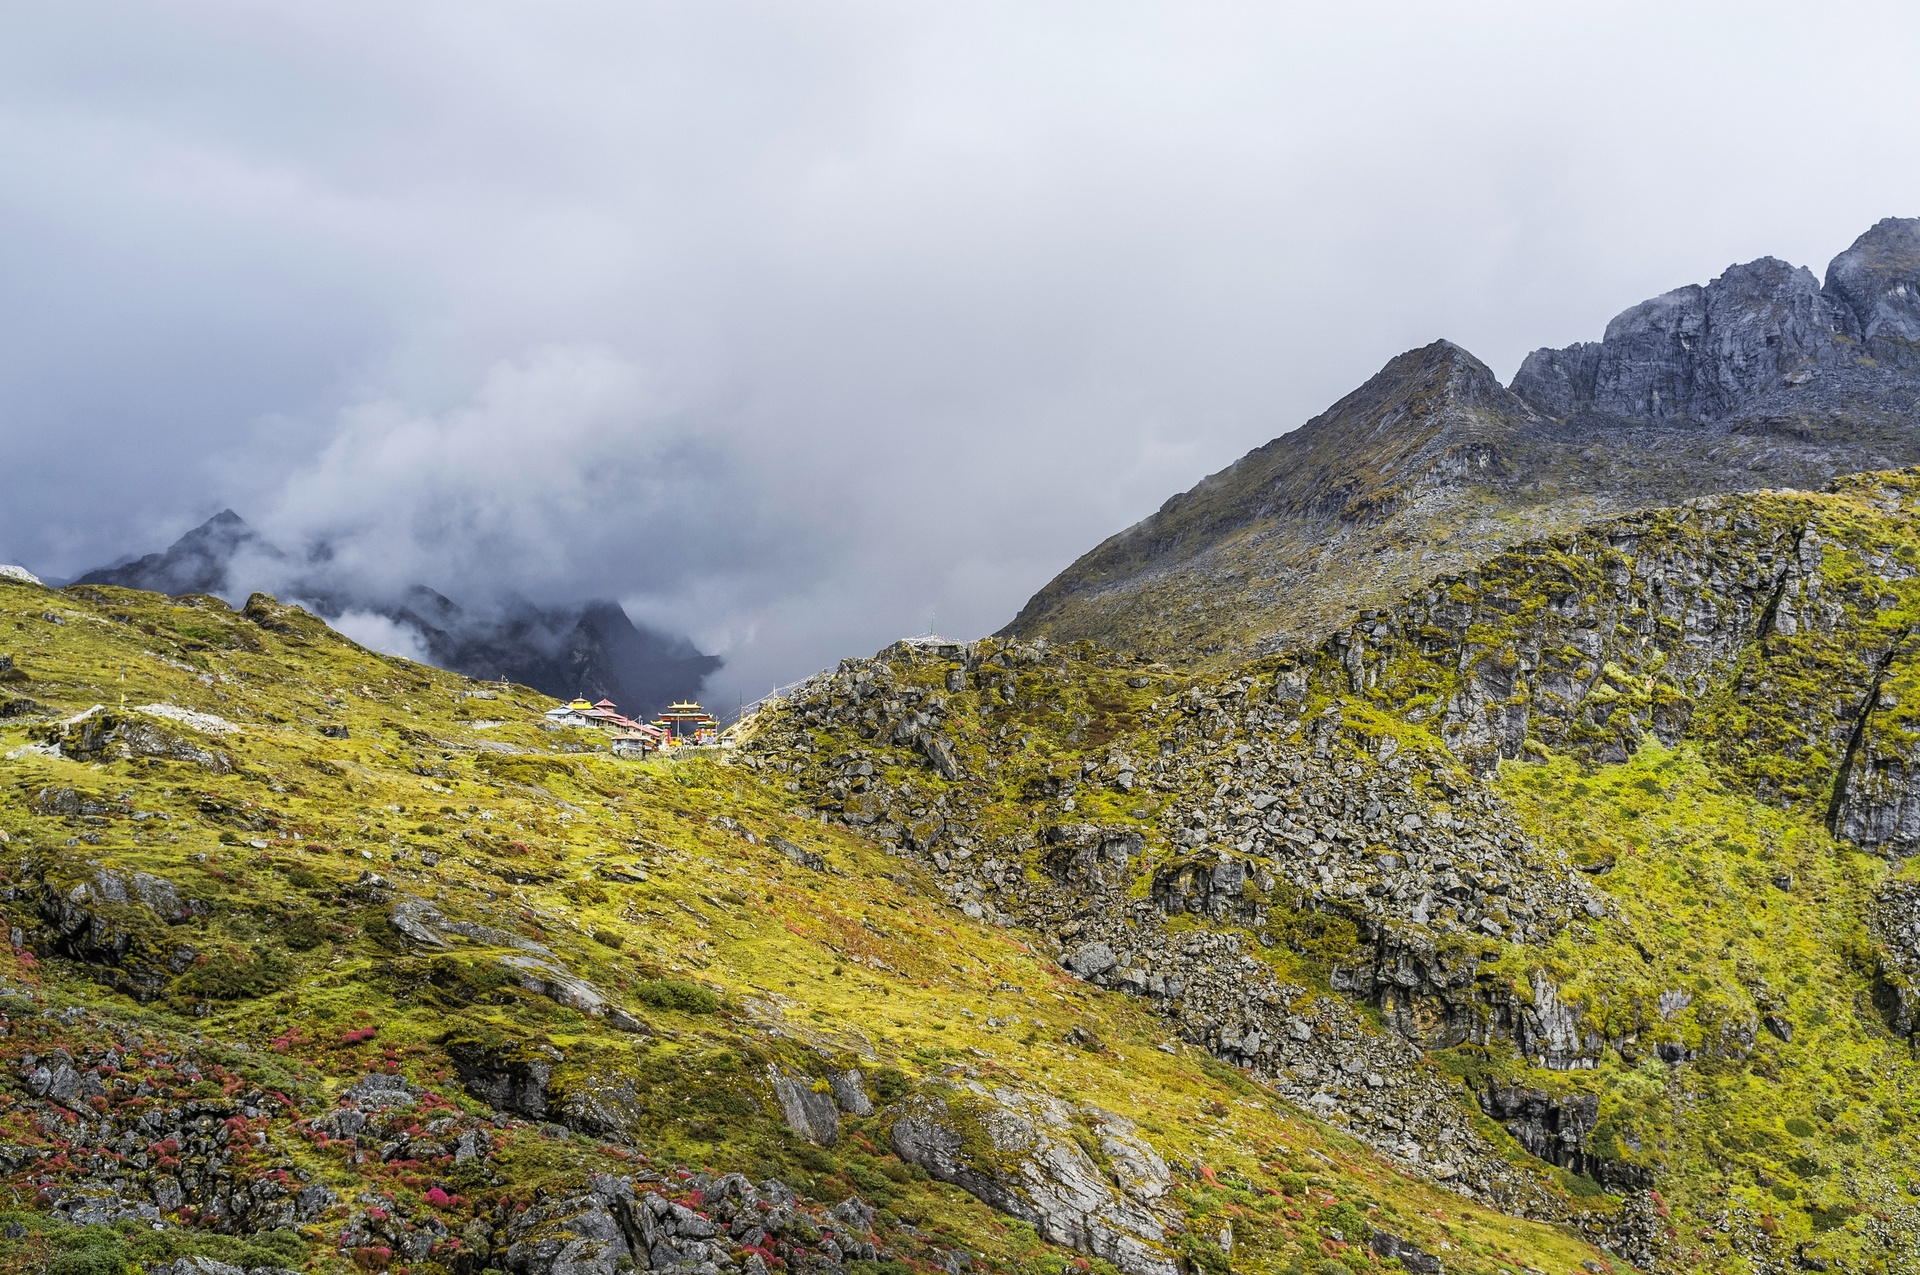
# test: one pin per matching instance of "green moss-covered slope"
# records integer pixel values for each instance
(1600, 845)
(325, 960)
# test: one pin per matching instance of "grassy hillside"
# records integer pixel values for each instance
(325, 960)
(1597, 831)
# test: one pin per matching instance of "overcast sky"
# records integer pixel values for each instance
(794, 325)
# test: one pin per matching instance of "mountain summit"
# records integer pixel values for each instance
(1762, 378)
(586, 648)
(1764, 340)
(198, 562)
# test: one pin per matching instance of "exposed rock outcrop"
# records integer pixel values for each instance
(1895, 919)
(1557, 1129)
(99, 734)
(810, 1113)
(1016, 1151)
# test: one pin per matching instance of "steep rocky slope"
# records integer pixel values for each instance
(1587, 859)
(323, 960)
(1762, 378)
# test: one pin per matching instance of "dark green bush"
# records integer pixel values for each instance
(302, 932)
(890, 1084)
(678, 993)
(91, 1250)
(224, 977)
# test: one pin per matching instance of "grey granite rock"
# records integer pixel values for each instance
(1016, 1152)
(1763, 339)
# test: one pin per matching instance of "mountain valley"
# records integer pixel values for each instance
(1474, 833)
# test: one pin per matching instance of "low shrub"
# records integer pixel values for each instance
(678, 993)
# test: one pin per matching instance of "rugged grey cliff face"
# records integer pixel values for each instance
(1764, 339)
(1874, 289)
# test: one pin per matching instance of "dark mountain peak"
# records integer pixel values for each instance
(1430, 420)
(1764, 340)
(1399, 430)
(1875, 289)
(587, 648)
(1416, 388)
(590, 649)
(198, 562)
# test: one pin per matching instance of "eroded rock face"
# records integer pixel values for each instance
(1895, 919)
(1752, 342)
(1556, 1130)
(1016, 1152)
(1694, 353)
(508, 1075)
(1874, 288)
(600, 1101)
(122, 926)
(1085, 853)
(850, 1092)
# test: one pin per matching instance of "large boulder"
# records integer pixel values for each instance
(813, 1115)
(1017, 1152)
(508, 1075)
(120, 926)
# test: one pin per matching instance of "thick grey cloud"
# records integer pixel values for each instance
(795, 325)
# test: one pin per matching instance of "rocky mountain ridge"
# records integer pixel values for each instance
(1761, 379)
(1764, 340)
(589, 649)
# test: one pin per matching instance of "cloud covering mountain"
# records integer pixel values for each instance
(589, 649)
(795, 330)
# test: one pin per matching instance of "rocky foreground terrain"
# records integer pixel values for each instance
(1553, 914)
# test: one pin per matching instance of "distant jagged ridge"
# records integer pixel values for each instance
(1763, 338)
(1762, 378)
(587, 648)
